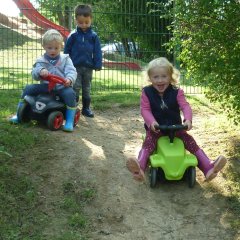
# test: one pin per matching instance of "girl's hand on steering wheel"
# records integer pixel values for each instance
(152, 127)
(188, 123)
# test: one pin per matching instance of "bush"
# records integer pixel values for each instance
(208, 35)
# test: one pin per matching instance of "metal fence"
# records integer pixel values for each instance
(131, 32)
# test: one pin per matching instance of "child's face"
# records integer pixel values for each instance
(53, 48)
(84, 22)
(160, 78)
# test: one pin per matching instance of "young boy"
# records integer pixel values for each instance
(54, 62)
(84, 48)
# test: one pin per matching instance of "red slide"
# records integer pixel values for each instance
(33, 15)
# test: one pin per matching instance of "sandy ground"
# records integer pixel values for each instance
(96, 153)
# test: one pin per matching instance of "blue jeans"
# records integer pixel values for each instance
(66, 94)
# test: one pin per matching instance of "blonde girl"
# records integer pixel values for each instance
(161, 104)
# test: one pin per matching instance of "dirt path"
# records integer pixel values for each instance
(123, 209)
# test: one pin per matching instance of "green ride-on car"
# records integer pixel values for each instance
(170, 158)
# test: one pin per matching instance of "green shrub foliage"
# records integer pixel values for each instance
(208, 35)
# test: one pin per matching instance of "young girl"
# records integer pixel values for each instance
(58, 64)
(161, 103)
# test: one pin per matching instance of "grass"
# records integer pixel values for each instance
(21, 161)
(103, 100)
(231, 185)
(19, 54)
(21, 215)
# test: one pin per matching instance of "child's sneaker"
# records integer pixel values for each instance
(87, 112)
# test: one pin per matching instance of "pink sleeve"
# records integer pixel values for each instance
(146, 110)
(184, 105)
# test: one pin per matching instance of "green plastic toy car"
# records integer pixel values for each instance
(170, 158)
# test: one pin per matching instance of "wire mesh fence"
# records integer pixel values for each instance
(131, 32)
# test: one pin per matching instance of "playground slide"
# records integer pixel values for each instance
(33, 15)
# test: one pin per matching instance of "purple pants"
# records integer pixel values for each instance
(150, 142)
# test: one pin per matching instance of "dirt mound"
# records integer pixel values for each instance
(22, 26)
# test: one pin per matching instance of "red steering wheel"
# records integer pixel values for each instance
(53, 80)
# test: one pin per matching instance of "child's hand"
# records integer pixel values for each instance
(153, 128)
(44, 72)
(188, 123)
(67, 83)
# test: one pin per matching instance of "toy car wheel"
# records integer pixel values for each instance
(55, 120)
(153, 177)
(24, 113)
(191, 176)
(77, 117)
(161, 175)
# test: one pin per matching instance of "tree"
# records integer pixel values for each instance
(208, 34)
(143, 22)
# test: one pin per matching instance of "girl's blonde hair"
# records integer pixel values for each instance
(52, 35)
(163, 62)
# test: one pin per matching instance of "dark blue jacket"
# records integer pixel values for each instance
(84, 49)
(165, 109)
